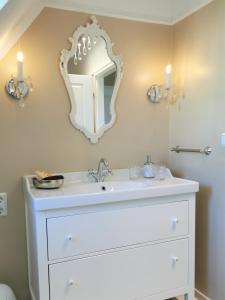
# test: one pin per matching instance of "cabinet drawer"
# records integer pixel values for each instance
(123, 275)
(86, 233)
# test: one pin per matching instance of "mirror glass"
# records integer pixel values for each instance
(92, 75)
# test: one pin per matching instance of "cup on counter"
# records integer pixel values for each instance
(134, 172)
(162, 173)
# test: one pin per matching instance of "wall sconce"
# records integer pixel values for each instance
(157, 92)
(17, 87)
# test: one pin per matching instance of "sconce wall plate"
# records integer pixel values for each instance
(155, 93)
(17, 89)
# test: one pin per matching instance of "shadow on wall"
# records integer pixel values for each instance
(202, 231)
(202, 228)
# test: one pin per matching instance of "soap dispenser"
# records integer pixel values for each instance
(148, 169)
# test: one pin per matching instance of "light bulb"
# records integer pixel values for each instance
(84, 45)
(79, 52)
(168, 69)
(89, 43)
(19, 56)
(168, 76)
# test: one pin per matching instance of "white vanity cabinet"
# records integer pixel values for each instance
(128, 249)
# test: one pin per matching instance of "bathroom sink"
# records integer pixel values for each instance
(78, 190)
(110, 186)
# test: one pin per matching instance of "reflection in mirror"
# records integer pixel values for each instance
(94, 72)
(92, 75)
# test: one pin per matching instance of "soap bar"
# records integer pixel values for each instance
(42, 174)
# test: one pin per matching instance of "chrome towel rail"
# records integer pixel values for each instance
(207, 150)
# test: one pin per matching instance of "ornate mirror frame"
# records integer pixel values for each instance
(92, 29)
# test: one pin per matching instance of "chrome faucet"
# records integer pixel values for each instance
(103, 170)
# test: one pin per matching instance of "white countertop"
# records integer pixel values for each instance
(78, 191)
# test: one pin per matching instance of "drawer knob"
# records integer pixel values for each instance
(70, 237)
(71, 282)
(175, 259)
(176, 220)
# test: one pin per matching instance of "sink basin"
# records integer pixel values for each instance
(78, 191)
(110, 186)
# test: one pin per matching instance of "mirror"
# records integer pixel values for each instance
(92, 74)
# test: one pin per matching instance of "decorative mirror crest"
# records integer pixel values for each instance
(92, 74)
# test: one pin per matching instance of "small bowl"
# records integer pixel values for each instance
(48, 184)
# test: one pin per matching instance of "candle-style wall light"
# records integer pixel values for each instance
(17, 87)
(158, 92)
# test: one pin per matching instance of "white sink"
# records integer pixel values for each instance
(110, 186)
(77, 190)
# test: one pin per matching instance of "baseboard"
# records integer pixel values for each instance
(200, 296)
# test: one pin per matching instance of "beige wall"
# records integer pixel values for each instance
(41, 136)
(199, 49)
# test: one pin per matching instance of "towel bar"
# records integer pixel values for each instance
(207, 150)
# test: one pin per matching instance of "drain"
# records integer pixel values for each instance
(103, 188)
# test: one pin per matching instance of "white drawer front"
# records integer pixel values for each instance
(86, 233)
(123, 275)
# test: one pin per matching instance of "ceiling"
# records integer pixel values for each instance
(16, 16)
(157, 11)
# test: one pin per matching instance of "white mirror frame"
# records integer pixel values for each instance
(91, 29)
